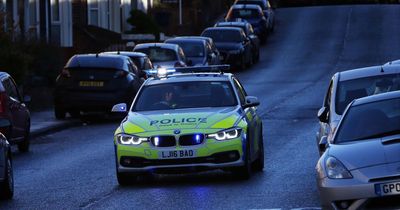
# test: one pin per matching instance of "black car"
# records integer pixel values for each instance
(94, 83)
(210, 42)
(6, 169)
(253, 14)
(248, 30)
(233, 45)
(141, 60)
(198, 52)
(15, 119)
(265, 5)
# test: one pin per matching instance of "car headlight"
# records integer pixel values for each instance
(336, 170)
(126, 139)
(226, 134)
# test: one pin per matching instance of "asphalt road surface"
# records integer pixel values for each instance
(75, 168)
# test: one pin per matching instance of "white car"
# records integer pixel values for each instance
(346, 86)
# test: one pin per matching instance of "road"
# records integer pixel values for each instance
(75, 168)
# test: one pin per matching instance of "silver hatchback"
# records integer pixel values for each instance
(361, 166)
(346, 86)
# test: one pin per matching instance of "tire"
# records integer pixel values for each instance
(25, 144)
(244, 172)
(125, 179)
(258, 164)
(7, 186)
(59, 113)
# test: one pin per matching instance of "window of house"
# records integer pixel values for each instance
(55, 11)
(93, 7)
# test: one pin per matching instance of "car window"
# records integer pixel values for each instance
(192, 49)
(133, 68)
(147, 64)
(157, 54)
(327, 100)
(241, 92)
(245, 14)
(11, 89)
(371, 120)
(349, 90)
(223, 35)
(182, 95)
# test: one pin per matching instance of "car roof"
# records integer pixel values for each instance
(189, 77)
(223, 29)
(233, 23)
(208, 39)
(158, 45)
(246, 6)
(97, 61)
(395, 62)
(377, 97)
(126, 53)
(185, 39)
(368, 72)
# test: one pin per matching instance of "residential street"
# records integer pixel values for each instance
(75, 168)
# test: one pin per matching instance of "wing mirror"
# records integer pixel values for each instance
(323, 114)
(121, 108)
(251, 101)
(323, 145)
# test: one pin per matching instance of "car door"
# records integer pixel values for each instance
(251, 118)
(17, 109)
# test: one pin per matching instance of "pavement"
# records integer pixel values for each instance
(44, 123)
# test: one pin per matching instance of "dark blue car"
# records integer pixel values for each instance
(253, 14)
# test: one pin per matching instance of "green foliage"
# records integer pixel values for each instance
(143, 23)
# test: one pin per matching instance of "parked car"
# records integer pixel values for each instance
(252, 14)
(268, 11)
(163, 55)
(360, 168)
(15, 120)
(197, 51)
(346, 86)
(233, 45)
(248, 30)
(141, 60)
(6, 169)
(210, 42)
(93, 83)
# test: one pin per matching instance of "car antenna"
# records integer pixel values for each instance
(382, 70)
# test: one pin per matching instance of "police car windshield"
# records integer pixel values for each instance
(182, 95)
(157, 54)
(357, 88)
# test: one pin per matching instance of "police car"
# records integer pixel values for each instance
(192, 121)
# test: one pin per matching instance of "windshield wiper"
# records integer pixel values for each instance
(379, 135)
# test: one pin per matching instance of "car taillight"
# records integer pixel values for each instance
(65, 73)
(3, 101)
(120, 74)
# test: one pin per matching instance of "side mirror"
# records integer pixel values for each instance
(121, 108)
(27, 99)
(251, 101)
(323, 114)
(323, 145)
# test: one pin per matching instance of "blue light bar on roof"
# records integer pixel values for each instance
(164, 72)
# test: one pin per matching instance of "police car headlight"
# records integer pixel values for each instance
(226, 134)
(126, 139)
(335, 169)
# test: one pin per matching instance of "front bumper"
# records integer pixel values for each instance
(336, 193)
(211, 154)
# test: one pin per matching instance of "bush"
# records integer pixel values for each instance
(143, 23)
